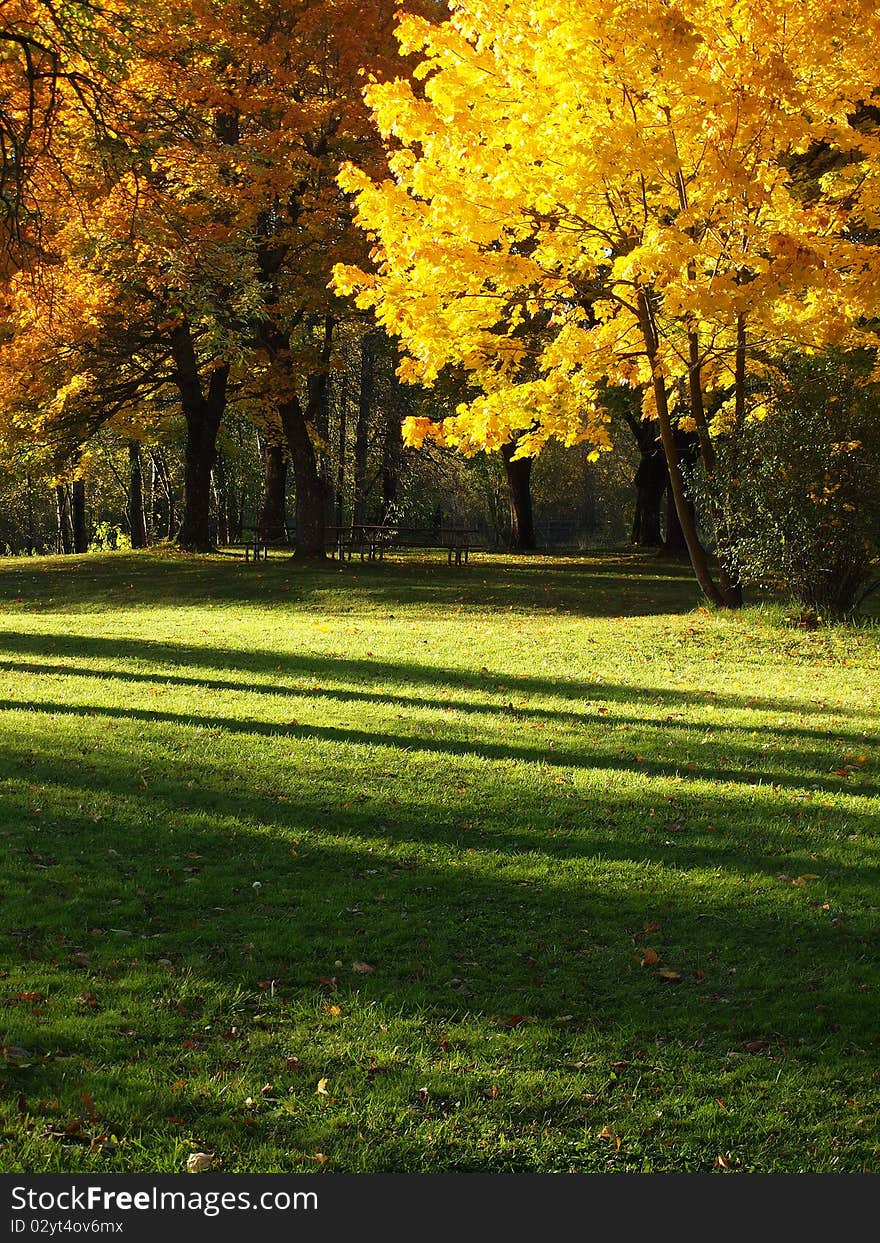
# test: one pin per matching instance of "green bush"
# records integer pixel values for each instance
(800, 488)
(107, 537)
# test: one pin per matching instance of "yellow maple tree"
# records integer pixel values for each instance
(647, 193)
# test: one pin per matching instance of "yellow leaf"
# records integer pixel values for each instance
(665, 973)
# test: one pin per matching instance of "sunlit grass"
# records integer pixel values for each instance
(497, 787)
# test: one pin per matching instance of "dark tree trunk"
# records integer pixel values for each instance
(519, 491)
(137, 525)
(299, 425)
(203, 415)
(729, 588)
(362, 428)
(273, 511)
(392, 453)
(195, 530)
(78, 516)
(674, 542)
(65, 530)
(340, 460)
(31, 537)
(223, 500)
(310, 487)
(651, 479)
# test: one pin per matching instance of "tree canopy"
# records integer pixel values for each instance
(621, 193)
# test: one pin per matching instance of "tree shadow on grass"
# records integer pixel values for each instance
(612, 760)
(130, 906)
(696, 829)
(166, 658)
(602, 692)
(445, 939)
(600, 584)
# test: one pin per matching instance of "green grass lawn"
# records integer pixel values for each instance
(356, 870)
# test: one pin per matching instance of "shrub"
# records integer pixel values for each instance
(800, 487)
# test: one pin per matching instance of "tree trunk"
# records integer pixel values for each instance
(310, 487)
(340, 459)
(299, 424)
(392, 454)
(65, 530)
(674, 545)
(78, 516)
(273, 512)
(519, 492)
(203, 415)
(31, 536)
(696, 551)
(731, 591)
(137, 525)
(650, 481)
(195, 530)
(362, 427)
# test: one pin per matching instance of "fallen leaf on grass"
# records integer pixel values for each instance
(363, 968)
(649, 957)
(197, 1162)
(321, 1089)
(755, 1046)
(666, 973)
(722, 1163)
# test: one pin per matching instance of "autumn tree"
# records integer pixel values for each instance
(610, 193)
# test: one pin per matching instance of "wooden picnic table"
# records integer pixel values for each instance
(371, 540)
(257, 546)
